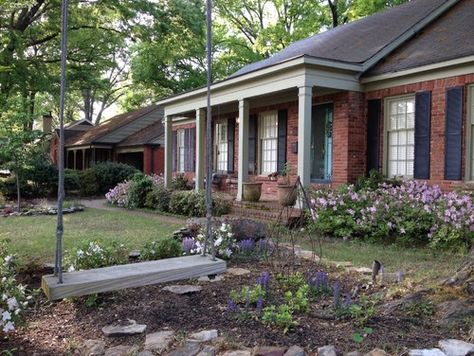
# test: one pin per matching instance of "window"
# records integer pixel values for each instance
(180, 150)
(400, 135)
(470, 133)
(321, 142)
(222, 146)
(268, 142)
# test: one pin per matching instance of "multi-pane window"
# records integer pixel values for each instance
(401, 137)
(471, 132)
(181, 150)
(268, 142)
(222, 146)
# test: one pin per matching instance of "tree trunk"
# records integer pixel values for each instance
(18, 194)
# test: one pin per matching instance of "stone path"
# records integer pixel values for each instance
(102, 205)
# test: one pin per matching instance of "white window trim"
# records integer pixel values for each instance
(469, 136)
(180, 136)
(386, 125)
(260, 138)
(216, 145)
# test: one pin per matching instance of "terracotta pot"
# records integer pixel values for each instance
(287, 195)
(252, 191)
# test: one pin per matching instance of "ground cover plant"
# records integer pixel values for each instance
(407, 213)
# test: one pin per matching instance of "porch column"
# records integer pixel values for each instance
(200, 143)
(168, 152)
(243, 160)
(305, 96)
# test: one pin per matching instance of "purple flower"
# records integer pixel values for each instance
(247, 246)
(231, 306)
(264, 280)
(319, 281)
(188, 245)
(259, 305)
(336, 294)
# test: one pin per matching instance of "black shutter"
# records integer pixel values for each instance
(230, 144)
(453, 134)
(282, 135)
(422, 135)
(187, 157)
(253, 134)
(174, 139)
(374, 109)
(192, 150)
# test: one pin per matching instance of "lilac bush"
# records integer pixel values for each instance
(120, 194)
(407, 213)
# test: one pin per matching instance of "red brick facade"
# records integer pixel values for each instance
(350, 131)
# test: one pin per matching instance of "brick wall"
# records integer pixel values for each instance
(438, 91)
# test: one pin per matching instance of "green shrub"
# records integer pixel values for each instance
(164, 248)
(180, 182)
(89, 183)
(8, 188)
(94, 254)
(158, 198)
(109, 174)
(42, 174)
(72, 180)
(188, 203)
(140, 186)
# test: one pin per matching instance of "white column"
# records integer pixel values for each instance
(168, 152)
(243, 159)
(200, 143)
(305, 105)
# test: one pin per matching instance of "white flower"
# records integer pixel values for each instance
(17, 311)
(4, 296)
(71, 269)
(12, 303)
(6, 316)
(80, 253)
(8, 259)
(8, 327)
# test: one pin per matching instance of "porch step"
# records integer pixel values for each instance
(267, 211)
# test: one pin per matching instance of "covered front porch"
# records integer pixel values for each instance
(301, 119)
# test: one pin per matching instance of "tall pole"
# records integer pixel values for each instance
(209, 237)
(58, 264)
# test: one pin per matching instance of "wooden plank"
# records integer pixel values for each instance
(132, 275)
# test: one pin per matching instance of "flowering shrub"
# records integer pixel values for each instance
(14, 298)
(164, 248)
(94, 254)
(133, 193)
(119, 194)
(224, 241)
(407, 213)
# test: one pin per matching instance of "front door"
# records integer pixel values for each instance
(321, 142)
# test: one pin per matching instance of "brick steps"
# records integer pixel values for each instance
(268, 211)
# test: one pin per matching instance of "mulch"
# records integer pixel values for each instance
(54, 328)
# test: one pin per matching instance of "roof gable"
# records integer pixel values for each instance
(358, 41)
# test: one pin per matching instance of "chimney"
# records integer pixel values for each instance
(47, 123)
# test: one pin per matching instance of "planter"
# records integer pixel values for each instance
(252, 192)
(287, 195)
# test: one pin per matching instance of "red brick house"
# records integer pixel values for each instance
(135, 138)
(393, 92)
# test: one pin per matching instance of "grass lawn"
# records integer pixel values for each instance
(420, 264)
(34, 237)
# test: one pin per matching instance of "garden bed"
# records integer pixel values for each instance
(56, 328)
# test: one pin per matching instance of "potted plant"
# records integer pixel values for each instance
(252, 191)
(287, 192)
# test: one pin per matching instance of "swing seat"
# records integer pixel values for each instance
(141, 274)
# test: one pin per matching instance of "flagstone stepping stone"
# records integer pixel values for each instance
(204, 336)
(218, 278)
(237, 271)
(328, 350)
(377, 352)
(295, 351)
(94, 347)
(159, 341)
(269, 351)
(426, 352)
(237, 353)
(124, 328)
(182, 289)
(145, 353)
(188, 349)
(452, 347)
(122, 350)
(207, 351)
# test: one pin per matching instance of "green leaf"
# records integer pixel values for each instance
(357, 337)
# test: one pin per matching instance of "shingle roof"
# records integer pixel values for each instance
(95, 134)
(145, 136)
(357, 41)
(451, 36)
